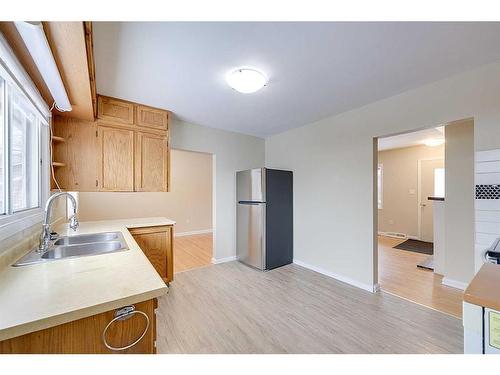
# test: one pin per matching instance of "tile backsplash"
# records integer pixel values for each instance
(487, 203)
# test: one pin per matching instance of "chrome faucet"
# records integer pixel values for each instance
(45, 237)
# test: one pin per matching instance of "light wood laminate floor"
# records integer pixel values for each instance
(231, 308)
(398, 274)
(191, 252)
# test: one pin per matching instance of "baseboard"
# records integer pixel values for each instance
(454, 283)
(344, 279)
(401, 236)
(223, 260)
(193, 232)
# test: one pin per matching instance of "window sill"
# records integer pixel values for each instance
(13, 224)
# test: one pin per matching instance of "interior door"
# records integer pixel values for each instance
(427, 168)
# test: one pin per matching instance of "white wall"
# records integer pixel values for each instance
(459, 204)
(189, 201)
(487, 204)
(232, 152)
(400, 206)
(332, 161)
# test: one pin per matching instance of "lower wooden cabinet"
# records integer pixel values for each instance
(85, 336)
(157, 245)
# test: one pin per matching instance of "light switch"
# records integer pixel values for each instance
(412, 191)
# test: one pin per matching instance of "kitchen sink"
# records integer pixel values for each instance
(71, 251)
(88, 238)
(77, 246)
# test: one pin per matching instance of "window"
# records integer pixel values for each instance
(380, 187)
(439, 182)
(20, 151)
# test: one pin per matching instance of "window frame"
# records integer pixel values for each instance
(15, 222)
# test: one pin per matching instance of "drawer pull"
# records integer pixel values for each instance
(124, 314)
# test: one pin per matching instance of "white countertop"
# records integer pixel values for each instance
(44, 295)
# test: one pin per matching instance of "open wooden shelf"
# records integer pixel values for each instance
(58, 164)
(58, 139)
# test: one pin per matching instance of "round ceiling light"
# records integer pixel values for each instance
(432, 142)
(246, 80)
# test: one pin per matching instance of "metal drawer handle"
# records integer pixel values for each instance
(124, 314)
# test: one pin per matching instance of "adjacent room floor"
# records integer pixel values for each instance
(231, 308)
(398, 274)
(191, 252)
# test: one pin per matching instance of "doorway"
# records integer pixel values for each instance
(191, 206)
(410, 170)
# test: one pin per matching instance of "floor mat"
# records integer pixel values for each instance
(416, 246)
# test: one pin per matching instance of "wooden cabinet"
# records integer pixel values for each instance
(76, 147)
(115, 110)
(151, 162)
(116, 159)
(84, 336)
(126, 149)
(157, 245)
(151, 117)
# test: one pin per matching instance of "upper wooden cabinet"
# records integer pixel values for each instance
(115, 110)
(125, 149)
(76, 147)
(151, 162)
(116, 155)
(123, 112)
(151, 117)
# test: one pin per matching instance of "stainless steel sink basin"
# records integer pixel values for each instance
(88, 238)
(77, 246)
(71, 251)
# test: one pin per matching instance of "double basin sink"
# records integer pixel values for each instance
(77, 246)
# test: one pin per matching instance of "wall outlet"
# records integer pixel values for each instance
(412, 191)
(391, 222)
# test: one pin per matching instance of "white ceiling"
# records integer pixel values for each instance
(410, 139)
(315, 70)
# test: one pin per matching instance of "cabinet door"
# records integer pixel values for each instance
(84, 336)
(115, 110)
(116, 153)
(157, 245)
(79, 152)
(151, 117)
(151, 162)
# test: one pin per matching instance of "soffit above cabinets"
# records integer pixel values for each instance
(71, 45)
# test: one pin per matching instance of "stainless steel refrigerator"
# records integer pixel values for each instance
(264, 218)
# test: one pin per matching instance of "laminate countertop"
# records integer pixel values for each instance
(483, 289)
(44, 295)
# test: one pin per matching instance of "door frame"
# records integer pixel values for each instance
(419, 192)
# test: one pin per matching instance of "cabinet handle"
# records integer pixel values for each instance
(123, 314)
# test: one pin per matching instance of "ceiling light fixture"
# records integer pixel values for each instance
(246, 80)
(34, 38)
(431, 142)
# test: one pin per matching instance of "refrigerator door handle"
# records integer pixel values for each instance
(250, 202)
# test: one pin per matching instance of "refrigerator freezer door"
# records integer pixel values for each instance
(251, 185)
(251, 247)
